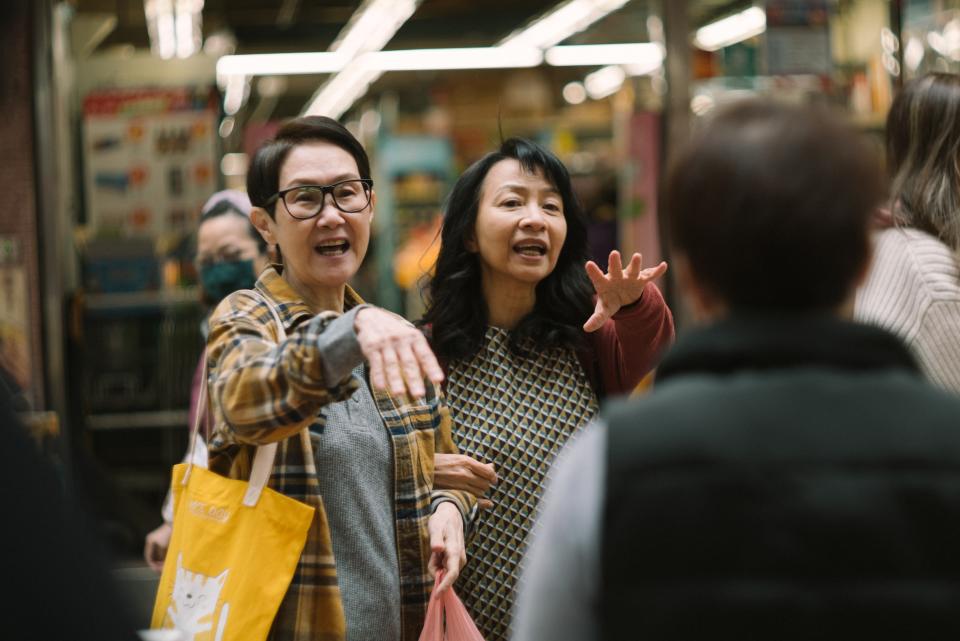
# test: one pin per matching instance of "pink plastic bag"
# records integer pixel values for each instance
(459, 625)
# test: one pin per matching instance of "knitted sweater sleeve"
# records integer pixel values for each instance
(630, 344)
(937, 344)
(913, 290)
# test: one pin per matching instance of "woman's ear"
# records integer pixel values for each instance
(264, 224)
(373, 203)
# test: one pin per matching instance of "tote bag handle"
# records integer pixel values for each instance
(265, 455)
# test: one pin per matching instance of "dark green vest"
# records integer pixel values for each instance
(785, 480)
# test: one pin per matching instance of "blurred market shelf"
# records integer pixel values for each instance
(149, 298)
(138, 480)
(137, 420)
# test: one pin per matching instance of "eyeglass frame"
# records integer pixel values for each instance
(324, 190)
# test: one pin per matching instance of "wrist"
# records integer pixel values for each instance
(359, 311)
(446, 507)
(448, 510)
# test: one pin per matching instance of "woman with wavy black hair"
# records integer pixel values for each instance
(529, 347)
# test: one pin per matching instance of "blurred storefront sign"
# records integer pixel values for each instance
(798, 37)
(149, 159)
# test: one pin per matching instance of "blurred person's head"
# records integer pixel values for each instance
(313, 198)
(230, 251)
(769, 208)
(511, 221)
(923, 154)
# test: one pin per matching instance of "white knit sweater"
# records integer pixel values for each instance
(913, 290)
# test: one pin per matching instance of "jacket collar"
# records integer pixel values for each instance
(769, 341)
(288, 303)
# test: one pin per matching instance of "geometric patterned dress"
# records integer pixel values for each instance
(516, 413)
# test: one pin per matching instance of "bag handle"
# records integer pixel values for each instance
(263, 459)
(202, 410)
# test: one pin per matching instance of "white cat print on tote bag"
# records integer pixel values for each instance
(194, 602)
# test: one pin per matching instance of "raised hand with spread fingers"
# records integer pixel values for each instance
(619, 287)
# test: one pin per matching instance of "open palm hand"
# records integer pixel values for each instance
(618, 287)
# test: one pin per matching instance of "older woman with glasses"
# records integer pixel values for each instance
(342, 385)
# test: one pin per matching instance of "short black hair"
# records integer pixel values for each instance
(263, 177)
(456, 311)
(225, 207)
(771, 205)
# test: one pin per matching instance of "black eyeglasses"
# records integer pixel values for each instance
(306, 201)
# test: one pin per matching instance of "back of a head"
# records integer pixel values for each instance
(923, 154)
(770, 204)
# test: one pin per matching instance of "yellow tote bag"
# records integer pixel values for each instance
(234, 549)
(232, 555)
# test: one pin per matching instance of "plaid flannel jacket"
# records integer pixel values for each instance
(263, 390)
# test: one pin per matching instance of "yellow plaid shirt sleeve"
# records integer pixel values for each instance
(267, 390)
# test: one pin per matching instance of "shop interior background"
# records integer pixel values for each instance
(123, 116)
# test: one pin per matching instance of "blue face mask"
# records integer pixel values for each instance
(222, 279)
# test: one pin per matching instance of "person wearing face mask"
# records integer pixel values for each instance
(230, 255)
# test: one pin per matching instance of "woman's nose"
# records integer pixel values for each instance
(329, 216)
(533, 218)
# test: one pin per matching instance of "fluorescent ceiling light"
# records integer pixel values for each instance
(281, 64)
(465, 58)
(161, 27)
(341, 91)
(604, 82)
(913, 53)
(732, 29)
(947, 43)
(189, 27)
(369, 29)
(646, 68)
(174, 26)
(563, 21)
(236, 92)
(372, 26)
(353, 81)
(574, 93)
(643, 53)
(234, 164)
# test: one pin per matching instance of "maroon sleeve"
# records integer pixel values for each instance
(631, 342)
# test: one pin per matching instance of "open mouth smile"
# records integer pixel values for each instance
(531, 248)
(337, 247)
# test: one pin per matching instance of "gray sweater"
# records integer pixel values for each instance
(355, 470)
